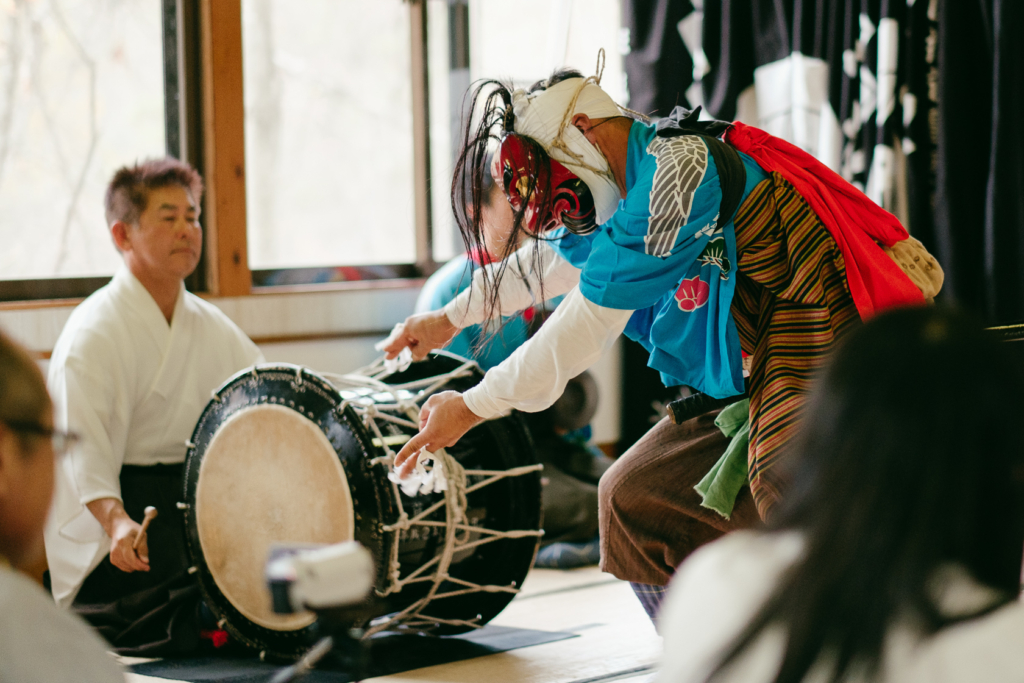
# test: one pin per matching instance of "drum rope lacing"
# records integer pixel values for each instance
(459, 532)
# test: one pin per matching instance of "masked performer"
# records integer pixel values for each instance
(132, 371)
(703, 241)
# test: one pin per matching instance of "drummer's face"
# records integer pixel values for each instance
(496, 221)
(167, 240)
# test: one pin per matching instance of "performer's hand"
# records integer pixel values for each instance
(421, 333)
(444, 419)
(123, 531)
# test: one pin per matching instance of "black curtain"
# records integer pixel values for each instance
(979, 202)
(658, 66)
(644, 397)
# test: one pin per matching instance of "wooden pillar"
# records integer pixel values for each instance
(224, 149)
(421, 134)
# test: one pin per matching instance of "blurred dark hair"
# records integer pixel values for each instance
(472, 180)
(487, 186)
(128, 191)
(910, 457)
(556, 77)
(23, 396)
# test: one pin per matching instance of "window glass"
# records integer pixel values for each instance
(328, 132)
(443, 126)
(558, 33)
(81, 93)
(549, 34)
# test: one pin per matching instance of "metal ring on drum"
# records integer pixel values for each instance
(285, 454)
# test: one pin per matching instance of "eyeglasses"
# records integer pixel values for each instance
(62, 441)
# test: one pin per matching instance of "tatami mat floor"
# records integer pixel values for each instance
(616, 639)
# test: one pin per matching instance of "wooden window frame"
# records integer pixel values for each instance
(228, 272)
(204, 118)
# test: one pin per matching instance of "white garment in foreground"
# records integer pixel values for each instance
(533, 377)
(40, 643)
(719, 588)
(133, 387)
(520, 286)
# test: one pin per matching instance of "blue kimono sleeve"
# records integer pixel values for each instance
(573, 248)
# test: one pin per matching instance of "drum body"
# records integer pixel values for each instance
(282, 455)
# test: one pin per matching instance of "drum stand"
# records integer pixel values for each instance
(345, 646)
(404, 410)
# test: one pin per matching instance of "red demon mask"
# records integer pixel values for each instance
(559, 196)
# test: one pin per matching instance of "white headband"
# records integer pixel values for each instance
(541, 116)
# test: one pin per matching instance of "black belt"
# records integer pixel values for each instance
(157, 470)
(687, 408)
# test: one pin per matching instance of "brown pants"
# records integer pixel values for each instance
(650, 516)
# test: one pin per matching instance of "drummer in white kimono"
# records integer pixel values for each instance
(132, 371)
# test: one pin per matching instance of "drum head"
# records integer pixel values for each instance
(269, 475)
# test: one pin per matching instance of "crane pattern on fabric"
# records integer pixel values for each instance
(682, 163)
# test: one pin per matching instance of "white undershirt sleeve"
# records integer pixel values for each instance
(520, 285)
(533, 377)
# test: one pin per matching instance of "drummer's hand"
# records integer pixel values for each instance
(421, 333)
(123, 531)
(122, 555)
(444, 419)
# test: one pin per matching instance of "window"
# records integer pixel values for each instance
(329, 114)
(547, 34)
(476, 39)
(329, 133)
(81, 93)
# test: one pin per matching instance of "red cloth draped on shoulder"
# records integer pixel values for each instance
(856, 223)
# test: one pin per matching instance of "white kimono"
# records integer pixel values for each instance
(133, 387)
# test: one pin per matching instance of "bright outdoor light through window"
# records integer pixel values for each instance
(81, 93)
(328, 130)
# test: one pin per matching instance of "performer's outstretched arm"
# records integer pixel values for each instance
(528, 273)
(535, 270)
(531, 379)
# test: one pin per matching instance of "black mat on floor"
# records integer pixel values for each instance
(389, 654)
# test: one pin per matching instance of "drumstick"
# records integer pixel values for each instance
(148, 515)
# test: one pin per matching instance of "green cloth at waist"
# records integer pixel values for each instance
(723, 483)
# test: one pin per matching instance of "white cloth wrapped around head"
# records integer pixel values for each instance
(544, 116)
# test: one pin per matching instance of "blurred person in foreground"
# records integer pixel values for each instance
(562, 433)
(38, 642)
(897, 553)
(132, 371)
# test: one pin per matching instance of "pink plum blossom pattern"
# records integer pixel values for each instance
(692, 294)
